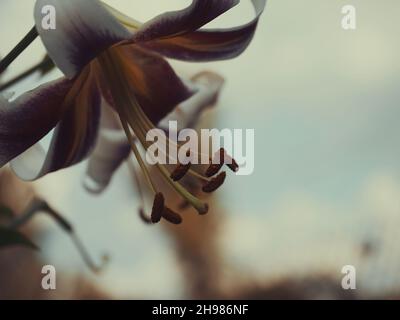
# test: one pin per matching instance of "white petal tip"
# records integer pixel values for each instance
(92, 186)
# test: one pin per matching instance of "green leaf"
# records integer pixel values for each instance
(6, 212)
(9, 237)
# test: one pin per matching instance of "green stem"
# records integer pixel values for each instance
(20, 47)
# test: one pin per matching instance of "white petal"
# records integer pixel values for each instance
(207, 86)
(83, 29)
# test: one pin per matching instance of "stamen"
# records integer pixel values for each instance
(180, 171)
(184, 205)
(206, 211)
(171, 216)
(144, 217)
(231, 163)
(216, 163)
(215, 183)
(138, 157)
(221, 157)
(213, 169)
(133, 117)
(158, 208)
(233, 166)
(201, 207)
(196, 203)
(192, 186)
(148, 125)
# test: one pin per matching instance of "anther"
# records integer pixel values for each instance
(215, 183)
(213, 169)
(180, 171)
(226, 159)
(216, 163)
(231, 163)
(233, 166)
(158, 208)
(171, 216)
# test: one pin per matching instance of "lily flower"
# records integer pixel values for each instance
(106, 55)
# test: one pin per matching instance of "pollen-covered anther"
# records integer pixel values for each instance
(158, 208)
(226, 159)
(231, 163)
(220, 158)
(180, 171)
(216, 163)
(215, 183)
(233, 166)
(171, 216)
(213, 169)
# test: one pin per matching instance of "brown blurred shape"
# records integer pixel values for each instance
(20, 268)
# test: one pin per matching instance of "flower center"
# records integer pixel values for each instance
(136, 125)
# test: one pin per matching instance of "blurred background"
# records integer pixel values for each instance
(325, 192)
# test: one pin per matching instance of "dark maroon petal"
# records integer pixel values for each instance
(74, 136)
(209, 45)
(30, 117)
(174, 23)
(155, 84)
(83, 30)
(73, 140)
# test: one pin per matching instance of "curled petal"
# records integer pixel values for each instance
(171, 24)
(30, 117)
(82, 30)
(74, 136)
(208, 86)
(112, 149)
(210, 45)
(130, 23)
